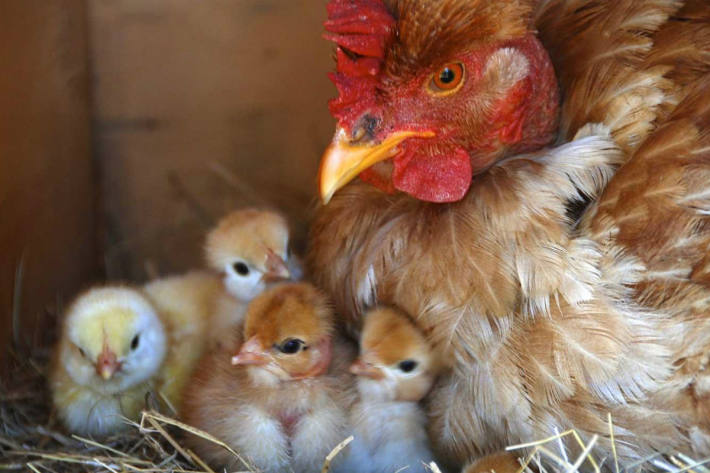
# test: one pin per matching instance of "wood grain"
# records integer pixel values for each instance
(46, 194)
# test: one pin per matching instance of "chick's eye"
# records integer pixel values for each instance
(448, 78)
(291, 346)
(82, 352)
(134, 343)
(407, 366)
(241, 268)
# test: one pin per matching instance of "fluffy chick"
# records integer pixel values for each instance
(186, 304)
(250, 247)
(111, 348)
(395, 370)
(275, 401)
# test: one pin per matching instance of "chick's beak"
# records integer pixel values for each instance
(107, 363)
(251, 353)
(276, 268)
(362, 368)
(344, 160)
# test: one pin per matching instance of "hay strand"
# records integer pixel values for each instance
(333, 453)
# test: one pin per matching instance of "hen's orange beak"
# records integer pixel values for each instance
(362, 368)
(344, 160)
(276, 269)
(251, 353)
(107, 363)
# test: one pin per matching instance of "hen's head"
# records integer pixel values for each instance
(432, 93)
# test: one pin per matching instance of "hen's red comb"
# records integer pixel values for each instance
(362, 29)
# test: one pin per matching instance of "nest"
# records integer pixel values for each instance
(32, 439)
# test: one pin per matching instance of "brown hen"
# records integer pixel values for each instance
(469, 223)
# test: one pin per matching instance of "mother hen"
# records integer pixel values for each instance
(468, 122)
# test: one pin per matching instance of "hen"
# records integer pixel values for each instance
(465, 120)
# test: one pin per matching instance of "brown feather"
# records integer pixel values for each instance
(478, 274)
(429, 33)
(598, 48)
(683, 42)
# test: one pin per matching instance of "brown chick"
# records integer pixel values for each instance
(250, 247)
(274, 401)
(395, 370)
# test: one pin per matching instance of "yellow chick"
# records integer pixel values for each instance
(250, 247)
(274, 401)
(119, 343)
(111, 348)
(186, 304)
(395, 370)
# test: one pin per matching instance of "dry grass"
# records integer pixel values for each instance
(550, 456)
(31, 440)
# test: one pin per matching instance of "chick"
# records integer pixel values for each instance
(111, 348)
(275, 401)
(186, 304)
(395, 370)
(251, 248)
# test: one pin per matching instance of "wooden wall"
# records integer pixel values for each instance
(46, 196)
(200, 107)
(197, 107)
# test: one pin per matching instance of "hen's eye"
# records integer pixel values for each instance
(134, 343)
(291, 346)
(241, 268)
(407, 366)
(448, 78)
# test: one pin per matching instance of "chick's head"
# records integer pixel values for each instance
(112, 339)
(250, 247)
(396, 363)
(288, 332)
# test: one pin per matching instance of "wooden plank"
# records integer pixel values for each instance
(46, 195)
(202, 107)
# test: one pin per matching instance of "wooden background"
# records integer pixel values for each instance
(47, 202)
(130, 126)
(201, 106)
